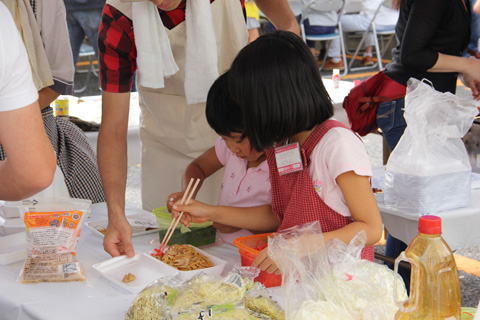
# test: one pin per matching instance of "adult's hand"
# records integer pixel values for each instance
(118, 238)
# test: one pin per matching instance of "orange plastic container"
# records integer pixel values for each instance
(249, 248)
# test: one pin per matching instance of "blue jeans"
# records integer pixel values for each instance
(81, 24)
(390, 119)
(316, 30)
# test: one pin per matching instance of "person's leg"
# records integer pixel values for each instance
(316, 30)
(90, 23)
(391, 121)
(76, 35)
(350, 23)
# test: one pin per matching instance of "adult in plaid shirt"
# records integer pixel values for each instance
(172, 132)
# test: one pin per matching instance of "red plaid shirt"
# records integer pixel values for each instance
(116, 46)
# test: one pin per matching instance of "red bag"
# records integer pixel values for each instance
(363, 99)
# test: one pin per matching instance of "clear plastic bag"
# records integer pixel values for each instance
(53, 228)
(429, 169)
(205, 297)
(331, 281)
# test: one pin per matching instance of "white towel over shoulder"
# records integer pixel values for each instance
(154, 56)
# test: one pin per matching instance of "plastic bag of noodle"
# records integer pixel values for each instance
(204, 297)
(331, 281)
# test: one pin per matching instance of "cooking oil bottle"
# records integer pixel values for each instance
(434, 286)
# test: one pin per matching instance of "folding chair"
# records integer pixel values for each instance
(385, 33)
(325, 5)
(86, 50)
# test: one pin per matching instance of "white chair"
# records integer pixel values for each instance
(377, 34)
(325, 5)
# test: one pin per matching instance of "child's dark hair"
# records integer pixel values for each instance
(223, 114)
(277, 82)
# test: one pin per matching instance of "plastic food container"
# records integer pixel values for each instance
(145, 268)
(10, 226)
(12, 209)
(217, 269)
(249, 248)
(198, 234)
(141, 223)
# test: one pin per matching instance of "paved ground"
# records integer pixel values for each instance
(467, 260)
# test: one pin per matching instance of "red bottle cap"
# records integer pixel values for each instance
(430, 225)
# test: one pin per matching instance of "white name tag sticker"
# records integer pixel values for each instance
(288, 158)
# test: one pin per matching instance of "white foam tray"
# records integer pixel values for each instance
(10, 226)
(139, 222)
(217, 269)
(145, 268)
(12, 248)
(12, 209)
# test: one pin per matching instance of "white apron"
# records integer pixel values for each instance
(174, 133)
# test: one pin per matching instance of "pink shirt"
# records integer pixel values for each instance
(339, 151)
(242, 187)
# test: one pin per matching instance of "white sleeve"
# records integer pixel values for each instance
(52, 21)
(16, 85)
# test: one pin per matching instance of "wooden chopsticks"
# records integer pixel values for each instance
(174, 223)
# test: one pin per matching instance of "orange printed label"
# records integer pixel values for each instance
(65, 219)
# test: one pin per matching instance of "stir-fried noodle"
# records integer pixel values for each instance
(185, 258)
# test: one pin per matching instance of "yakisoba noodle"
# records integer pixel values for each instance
(185, 258)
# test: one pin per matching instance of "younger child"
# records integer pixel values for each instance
(245, 181)
(284, 102)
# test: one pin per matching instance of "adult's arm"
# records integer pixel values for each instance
(46, 96)
(424, 20)
(280, 14)
(30, 164)
(112, 162)
(476, 7)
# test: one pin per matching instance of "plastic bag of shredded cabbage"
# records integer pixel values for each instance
(52, 231)
(204, 297)
(331, 281)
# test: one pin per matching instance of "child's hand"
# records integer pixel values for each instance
(174, 197)
(194, 211)
(264, 262)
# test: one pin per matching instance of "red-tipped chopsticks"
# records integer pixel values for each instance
(174, 223)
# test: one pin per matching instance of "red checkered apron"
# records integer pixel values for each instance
(294, 199)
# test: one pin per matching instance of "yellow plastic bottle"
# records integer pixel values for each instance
(434, 285)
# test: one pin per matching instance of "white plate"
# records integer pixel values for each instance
(12, 248)
(145, 268)
(140, 222)
(217, 269)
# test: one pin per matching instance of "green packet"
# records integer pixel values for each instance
(198, 234)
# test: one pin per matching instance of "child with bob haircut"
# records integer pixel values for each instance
(276, 81)
(245, 182)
